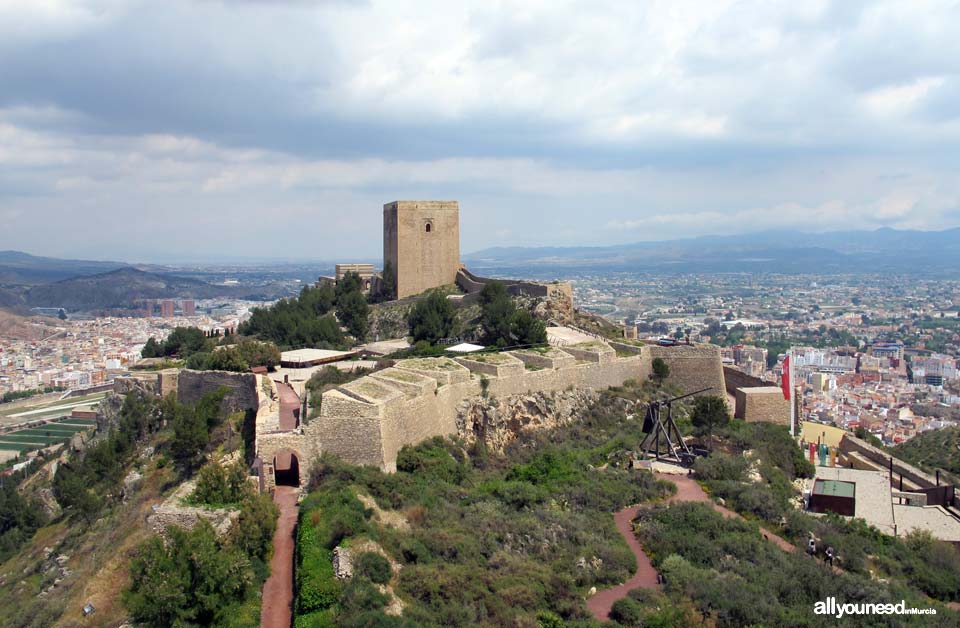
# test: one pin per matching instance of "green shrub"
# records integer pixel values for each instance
(627, 612)
(359, 596)
(373, 566)
(316, 619)
(719, 466)
(219, 485)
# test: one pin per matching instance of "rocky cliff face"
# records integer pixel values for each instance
(497, 421)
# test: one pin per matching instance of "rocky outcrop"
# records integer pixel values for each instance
(497, 421)
(175, 511)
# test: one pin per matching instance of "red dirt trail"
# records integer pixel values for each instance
(646, 576)
(277, 607)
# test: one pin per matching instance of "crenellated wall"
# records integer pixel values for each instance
(370, 419)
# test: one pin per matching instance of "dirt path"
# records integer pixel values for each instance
(646, 576)
(277, 607)
(289, 406)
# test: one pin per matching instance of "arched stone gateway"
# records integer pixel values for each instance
(286, 468)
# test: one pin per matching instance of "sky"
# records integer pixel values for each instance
(223, 129)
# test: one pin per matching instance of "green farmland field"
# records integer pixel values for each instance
(44, 436)
(20, 438)
(20, 447)
(52, 431)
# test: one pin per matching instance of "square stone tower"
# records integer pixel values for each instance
(421, 241)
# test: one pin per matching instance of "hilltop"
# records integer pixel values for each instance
(117, 289)
(17, 267)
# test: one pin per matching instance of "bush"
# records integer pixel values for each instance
(193, 579)
(316, 619)
(719, 466)
(373, 566)
(627, 612)
(219, 485)
(430, 459)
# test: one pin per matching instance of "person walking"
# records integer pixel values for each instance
(812, 547)
(829, 555)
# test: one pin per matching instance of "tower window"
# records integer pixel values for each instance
(429, 227)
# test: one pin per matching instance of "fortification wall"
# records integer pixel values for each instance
(242, 388)
(558, 293)
(762, 404)
(369, 420)
(736, 378)
(692, 367)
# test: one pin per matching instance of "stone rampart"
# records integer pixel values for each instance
(735, 378)
(692, 367)
(241, 388)
(368, 420)
(762, 404)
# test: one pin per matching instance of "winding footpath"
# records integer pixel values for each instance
(646, 576)
(276, 610)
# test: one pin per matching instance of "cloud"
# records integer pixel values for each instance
(551, 121)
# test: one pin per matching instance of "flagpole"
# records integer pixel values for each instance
(793, 391)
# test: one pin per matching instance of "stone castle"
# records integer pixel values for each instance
(369, 420)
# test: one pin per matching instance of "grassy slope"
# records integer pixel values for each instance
(938, 449)
(99, 556)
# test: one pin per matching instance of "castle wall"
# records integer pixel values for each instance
(241, 388)
(369, 420)
(692, 367)
(421, 239)
(735, 378)
(762, 403)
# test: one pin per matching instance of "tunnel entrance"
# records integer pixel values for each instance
(286, 468)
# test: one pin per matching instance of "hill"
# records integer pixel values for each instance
(936, 449)
(883, 250)
(22, 268)
(120, 289)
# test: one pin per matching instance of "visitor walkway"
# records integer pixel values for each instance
(646, 576)
(277, 604)
(289, 407)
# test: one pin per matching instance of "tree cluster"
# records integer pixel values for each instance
(352, 309)
(239, 357)
(19, 516)
(182, 343)
(220, 485)
(504, 324)
(88, 481)
(198, 579)
(306, 320)
(433, 318)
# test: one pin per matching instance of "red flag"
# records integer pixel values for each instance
(785, 378)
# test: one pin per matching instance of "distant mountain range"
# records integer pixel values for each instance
(119, 289)
(26, 269)
(82, 285)
(884, 250)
